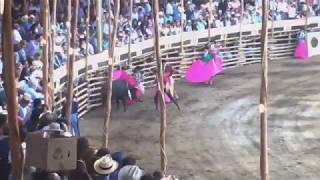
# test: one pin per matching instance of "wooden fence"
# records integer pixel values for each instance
(240, 47)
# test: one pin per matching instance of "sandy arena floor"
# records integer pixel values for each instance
(216, 136)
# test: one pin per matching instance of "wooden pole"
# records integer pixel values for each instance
(209, 21)
(45, 68)
(53, 35)
(264, 168)
(241, 21)
(111, 61)
(272, 20)
(130, 27)
(72, 56)
(99, 24)
(182, 25)
(87, 39)
(163, 116)
(306, 16)
(11, 91)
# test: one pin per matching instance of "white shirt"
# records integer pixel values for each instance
(169, 9)
(16, 36)
(292, 12)
(282, 6)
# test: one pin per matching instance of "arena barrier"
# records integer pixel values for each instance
(241, 46)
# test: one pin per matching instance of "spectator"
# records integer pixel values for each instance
(130, 173)
(104, 167)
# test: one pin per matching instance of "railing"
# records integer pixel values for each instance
(240, 47)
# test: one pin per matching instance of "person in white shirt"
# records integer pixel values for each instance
(169, 9)
(16, 34)
(292, 14)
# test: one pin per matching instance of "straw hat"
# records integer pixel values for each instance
(105, 165)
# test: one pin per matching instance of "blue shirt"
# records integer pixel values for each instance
(32, 48)
(22, 55)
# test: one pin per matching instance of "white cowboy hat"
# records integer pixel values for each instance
(27, 97)
(105, 165)
(130, 173)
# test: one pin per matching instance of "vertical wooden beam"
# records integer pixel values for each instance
(163, 116)
(45, 68)
(209, 21)
(72, 56)
(87, 39)
(130, 25)
(111, 62)
(182, 25)
(264, 168)
(11, 91)
(272, 22)
(306, 18)
(53, 42)
(99, 24)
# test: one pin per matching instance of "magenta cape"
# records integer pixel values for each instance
(200, 71)
(123, 75)
(301, 51)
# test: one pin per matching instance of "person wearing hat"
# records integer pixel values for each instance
(104, 167)
(130, 173)
(24, 112)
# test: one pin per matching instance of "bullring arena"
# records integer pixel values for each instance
(216, 135)
(257, 119)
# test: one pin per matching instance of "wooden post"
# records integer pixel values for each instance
(241, 53)
(45, 68)
(130, 25)
(99, 24)
(72, 56)
(87, 40)
(11, 91)
(182, 25)
(264, 169)
(272, 21)
(53, 43)
(113, 37)
(209, 21)
(306, 16)
(163, 116)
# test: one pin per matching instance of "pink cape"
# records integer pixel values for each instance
(123, 75)
(200, 71)
(301, 51)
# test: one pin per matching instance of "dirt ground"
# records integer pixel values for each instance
(216, 135)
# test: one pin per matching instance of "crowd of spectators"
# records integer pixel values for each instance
(28, 31)
(92, 164)
(28, 44)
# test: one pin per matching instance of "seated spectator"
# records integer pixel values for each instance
(5, 166)
(104, 167)
(130, 173)
(24, 111)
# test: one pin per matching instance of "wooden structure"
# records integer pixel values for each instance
(111, 62)
(11, 92)
(72, 57)
(160, 89)
(45, 68)
(263, 107)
